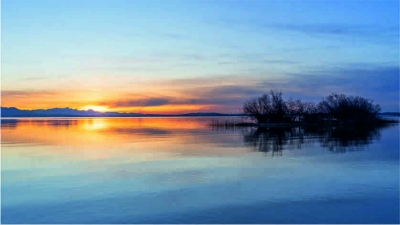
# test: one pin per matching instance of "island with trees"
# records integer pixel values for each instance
(271, 110)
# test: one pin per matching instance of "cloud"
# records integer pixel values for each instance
(242, 79)
(365, 32)
(336, 29)
(209, 96)
(27, 93)
(226, 93)
(376, 79)
(279, 61)
(212, 101)
(138, 102)
(206, 99)
(233, 90)
(377, 82)
(259, 60)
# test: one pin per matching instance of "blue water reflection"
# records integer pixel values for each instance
(177, 170)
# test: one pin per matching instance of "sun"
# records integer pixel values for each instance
(95, 108)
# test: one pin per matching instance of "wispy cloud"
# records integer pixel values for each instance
(337, 29)
(367, 80)
(259, 61)
(142, 102)
(331, 30)
(380, 83)
(353, 77)
(27, 93)
(232, 91)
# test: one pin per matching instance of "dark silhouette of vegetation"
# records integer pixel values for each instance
(225, 123)
(349, 109)
(267, 108)
(334, 109)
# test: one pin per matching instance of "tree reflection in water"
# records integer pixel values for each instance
(350, 138)
(336, 139)
(275, 140)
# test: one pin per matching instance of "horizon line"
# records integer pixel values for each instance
(103, 112)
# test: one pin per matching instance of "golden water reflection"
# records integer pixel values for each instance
(96, 138)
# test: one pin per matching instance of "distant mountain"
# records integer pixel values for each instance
(68, 112)
(62, 112)
(14, 112)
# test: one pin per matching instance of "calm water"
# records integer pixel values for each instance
(176, 170)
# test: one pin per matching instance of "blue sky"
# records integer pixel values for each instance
(196, 55)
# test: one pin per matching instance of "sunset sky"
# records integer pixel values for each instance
(178, 56)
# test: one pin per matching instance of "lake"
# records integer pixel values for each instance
(178, 170)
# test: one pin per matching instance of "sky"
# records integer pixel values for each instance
(179, 56)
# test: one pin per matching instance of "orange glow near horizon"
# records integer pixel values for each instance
(95, 108)
(149, 97)
(112, 103)
(163, 109)
(176, 99)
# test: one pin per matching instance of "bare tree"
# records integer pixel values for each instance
(349, 108)
(294, 109)
(258, 108)
(278, 107)
(267, 108)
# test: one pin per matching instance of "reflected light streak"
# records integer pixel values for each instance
(95, 124)
(96, 138)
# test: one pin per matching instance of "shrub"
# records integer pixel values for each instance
(349, 109)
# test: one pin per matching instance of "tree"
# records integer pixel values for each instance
(295, 110)
(267, 108)
(278, 108)
(349, 109)
(258, 109)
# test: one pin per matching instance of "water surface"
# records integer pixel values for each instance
(178, 170)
